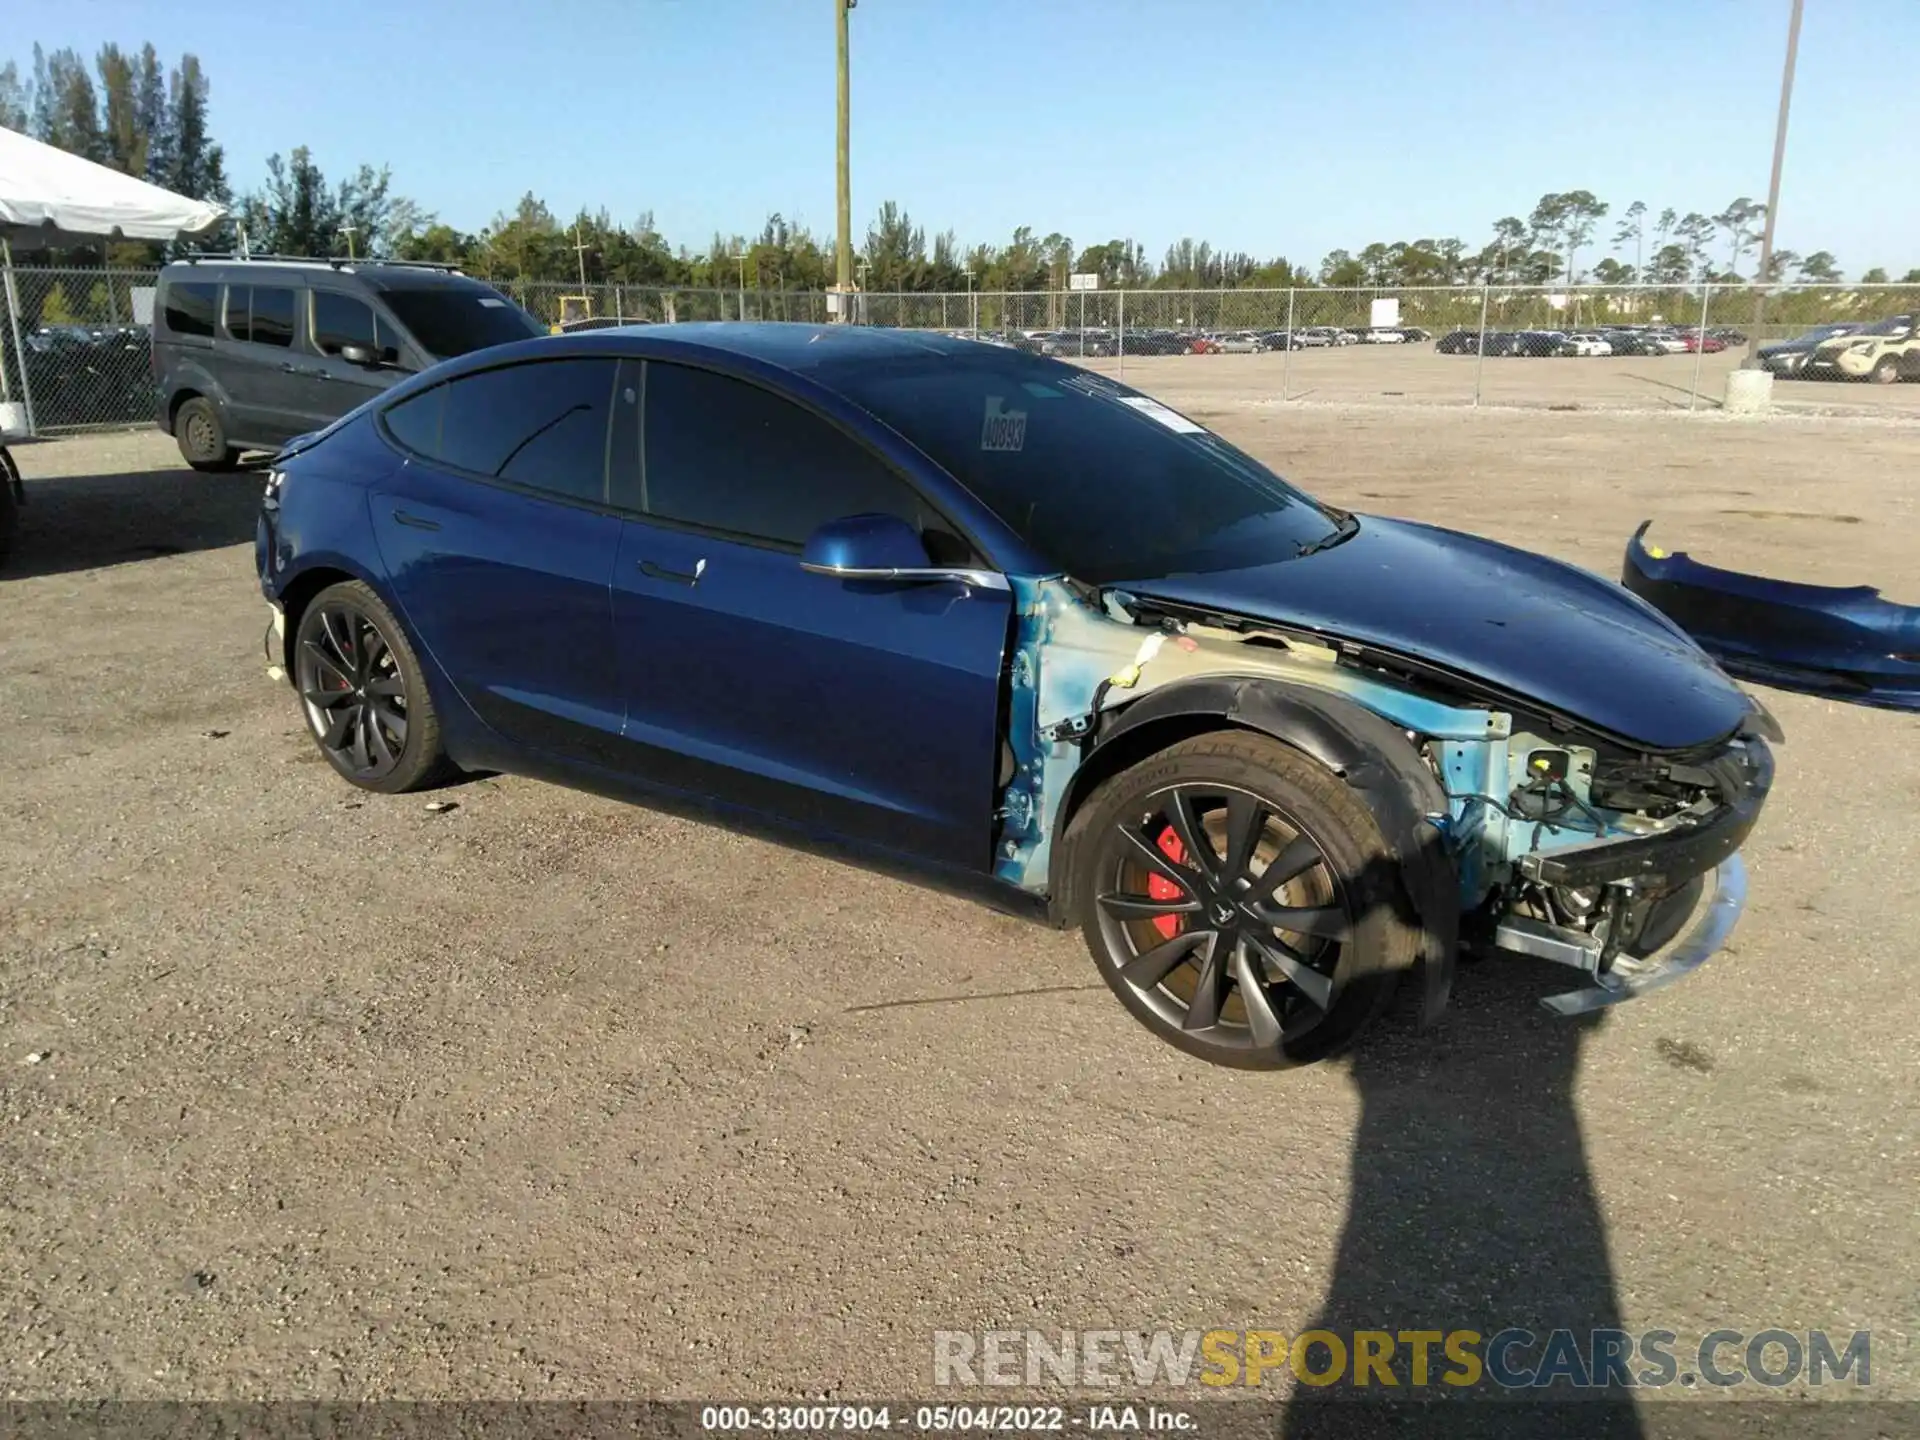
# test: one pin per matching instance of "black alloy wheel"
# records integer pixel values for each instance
(360, 688)
(1236, 897)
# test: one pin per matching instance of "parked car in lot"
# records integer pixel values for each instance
(1885, 351)
(1587, 342)
(1154, 692)
(1332, 335)
(1459, 342)
(89, 374)
(1316, 337)
(1704, 344)
(1382, 335)
(1414, 335)
(249, 353)
(1787, 357)
(1242, 342)
(1634, 342)
(1283, 340)
(1534, 343)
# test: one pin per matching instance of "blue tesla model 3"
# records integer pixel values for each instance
(989, 618)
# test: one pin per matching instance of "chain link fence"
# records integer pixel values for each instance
(76, 342)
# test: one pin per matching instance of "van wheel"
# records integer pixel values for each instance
(203, 439)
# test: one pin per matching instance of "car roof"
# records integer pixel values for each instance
(378, 275)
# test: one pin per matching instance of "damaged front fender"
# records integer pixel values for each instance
(1840, 642)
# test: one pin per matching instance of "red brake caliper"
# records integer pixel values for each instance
(1161, 888)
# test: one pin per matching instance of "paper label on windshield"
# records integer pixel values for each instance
(1004, 429)
(490, 303)
(1154, 410)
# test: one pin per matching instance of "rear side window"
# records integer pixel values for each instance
(262, 314)
(725, 455)
(190, 307)
(542, 425)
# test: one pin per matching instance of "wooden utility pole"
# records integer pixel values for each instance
(1773, 185)
(843, 244)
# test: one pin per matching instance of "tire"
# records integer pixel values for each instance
(9, 503)
(361, 688)
(202, 437)
(1885, 370)
(1179, 942)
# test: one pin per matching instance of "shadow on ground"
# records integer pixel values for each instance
(1472, 1209)
(84, 522)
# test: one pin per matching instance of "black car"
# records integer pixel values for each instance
(1633, 342)
(1458, 342)
(1788, 356)
(248, 353)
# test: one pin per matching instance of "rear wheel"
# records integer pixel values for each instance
(363, 694)
(1240, 900)
(202, 437)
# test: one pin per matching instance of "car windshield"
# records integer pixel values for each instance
(1105, 482)
(455, 319)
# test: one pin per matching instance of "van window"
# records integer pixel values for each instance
(455, 319)
(190, 307)
(340, 320)
(261, 313)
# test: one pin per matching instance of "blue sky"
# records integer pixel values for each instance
(1283, 127)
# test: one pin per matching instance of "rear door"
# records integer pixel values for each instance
(866, 710)
(263, 371)
(497, 540)
(337, 318)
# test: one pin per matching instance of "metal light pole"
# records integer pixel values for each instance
(741, 256)
(843, 244)
(1773, 184)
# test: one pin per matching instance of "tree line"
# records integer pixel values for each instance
(132, 112)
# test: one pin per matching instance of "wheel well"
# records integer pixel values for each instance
(295, 599)
(173, 406)
(1130, 748)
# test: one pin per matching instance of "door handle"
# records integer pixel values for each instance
(415, 521)
(683, 577)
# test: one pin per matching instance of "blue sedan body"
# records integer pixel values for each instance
(953, 726)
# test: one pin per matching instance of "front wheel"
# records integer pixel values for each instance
(1885, 370)
(363, 694)
(1241, 901)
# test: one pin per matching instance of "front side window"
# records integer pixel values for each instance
(340, 320)
(542, 425)
(1104, 481)
(726, 455)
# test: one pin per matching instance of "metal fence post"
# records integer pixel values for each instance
(1480, 344)
(1286, 355)
(13, 324)
(1123, 334)
(1699, 346)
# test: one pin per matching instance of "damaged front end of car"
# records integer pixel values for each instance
(1840, 642)
(1518, 830)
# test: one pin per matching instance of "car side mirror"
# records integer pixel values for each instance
(882, 547)
(363, 355)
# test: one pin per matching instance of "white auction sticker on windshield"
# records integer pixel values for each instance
(1004, 429)
(1154, 410)
(488, 302)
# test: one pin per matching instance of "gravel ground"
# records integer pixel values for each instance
(542, 1096)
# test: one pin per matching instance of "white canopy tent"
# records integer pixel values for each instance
(48, 197)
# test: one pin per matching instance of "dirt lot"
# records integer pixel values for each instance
(1418, 375)
(543, 1096)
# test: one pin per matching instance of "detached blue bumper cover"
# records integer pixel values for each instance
(1845, 643)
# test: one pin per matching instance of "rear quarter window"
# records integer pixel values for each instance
(190, 308)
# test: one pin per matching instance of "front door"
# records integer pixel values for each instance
(868, 711)
(339, 319)
(498, 542)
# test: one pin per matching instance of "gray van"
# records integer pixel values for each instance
(248, 353)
